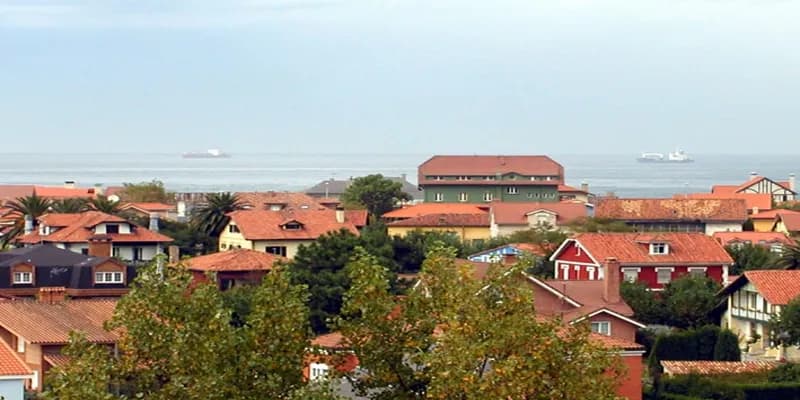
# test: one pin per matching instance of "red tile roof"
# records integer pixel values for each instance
(760, 201)
(12, 192)
(717, 367)
(57, 360)
(615, 342)
(778, 287)
(570, 189)
(632, 248)
(267, 225)
(333, 340)
(10, 362)
(152, 207)
(59, 192)
(724, 189)
(476, 165)
(46, 323)
(708, 210)
(78, 228)
(233, 260)
(758, 179)
(790, 221)
(772, 214)
(506, 213)
(357, 217)
(755, 238)
(261, 200)
(444, 220)
(589, 294)
(419, 210)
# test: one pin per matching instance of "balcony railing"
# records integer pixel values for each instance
(751, 314)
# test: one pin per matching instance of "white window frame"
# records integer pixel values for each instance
(704, 270)
(488, 196)
(591, 271)
(565, 271)
(625, 272)
(670, 269)
(512, 190)
(20, 344)
(463, 197)
(22, 278)
(109, 277)
(438, 197)
(600, 325)
(317, 371)
(463, 178)
(664, 247)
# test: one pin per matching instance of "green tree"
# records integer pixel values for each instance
(69, 205)
(86, 376)
(410, 250)
(32, 205)
(456, 337)
(786, 372)
(211, 218)
(790, 257)
(785, 327)
(105, 205)
(749, 257)
(647, 306)
(727, 347)
(377, 194)
(690, 299)
(592, 224)
(152, 191)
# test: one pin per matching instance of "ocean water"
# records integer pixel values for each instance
(620, 174)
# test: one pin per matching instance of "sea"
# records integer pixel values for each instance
(618, 174)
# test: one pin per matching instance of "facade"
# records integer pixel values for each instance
(764, 221)
(334, 188)
(125, 240)
(482, 179)
(38, 330)
(232, 268)
(422, 209)
(472, 228)
(14, 374)
(752, 299)
(281, 231)
(146, 210)
(507, 218)
(772, 240)
(676, 215)
(779, 190)
(581, 195)
(787, 223)
(655, 259)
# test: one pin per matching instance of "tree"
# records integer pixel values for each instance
(790, 257)
(69, 205)
(377, 194)
(143, 192)
(89, 365)
(647, 307)
(690, 299)
(410, 250)
(456, 337)
(33, 206)
(105, 205)
(749, 257)
(727, 347)
(785, 327)
(211, 218)
(592, 224)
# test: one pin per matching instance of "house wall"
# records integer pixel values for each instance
(12, 389)
(291, 245)
(475, 193)
(505, 230)
(712, 228)
(33, 357)
(229, 240)
(619, 328)
(546, 302)
(468, 233)
(126, 251)
(631, 384)
(763, 225)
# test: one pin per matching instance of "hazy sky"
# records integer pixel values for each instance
(400, 76)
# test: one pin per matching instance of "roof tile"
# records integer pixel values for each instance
(779, 287)
(630, 248)
(506, 213)
(733, 210)
(717, 367)
(77, 228)
(47, 323)
(419, 210)
(233, 260)
(445, 220)
(10, 362)
(267, 225)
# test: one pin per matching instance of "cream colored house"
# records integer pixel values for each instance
(281, 231)
(507, 218)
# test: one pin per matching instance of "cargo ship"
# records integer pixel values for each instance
(210, 153)
(677, 156)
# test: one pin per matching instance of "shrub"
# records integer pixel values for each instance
(692, 344)
(727, 347)
(789, 372)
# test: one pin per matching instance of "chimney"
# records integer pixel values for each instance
(753, 174)
(340, 215)
(791, 181)
(174, 253)
(52, 295)
(153, 222)
(28, 224)
(69, 184)
(585, 187)
(611, 281)
(100, 246)
(403, 177)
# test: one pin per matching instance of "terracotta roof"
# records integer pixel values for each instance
(589, 294)
(333, 340)
(790, 221)
(12, 192)
(233, 260)
(152, 207)
(52, 323)
(445, 220)
(10, 362)
(757, 179)
(569, 189)
(419, 210)
(730, 210)
(615, 342)
(59, 192)
(778, 287)
(57, 360)
(535, 249)
(755, 238)
(632, 248)
(760, 201)
(357, 217)
(260, 200)
(77, 228)
(772, 214)
(724, 189)
(490, 165)
(267, 225)
(717, 367)
(506, 213)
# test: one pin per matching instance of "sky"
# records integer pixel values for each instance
(400, 76)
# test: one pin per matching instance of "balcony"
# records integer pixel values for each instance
(750, 314)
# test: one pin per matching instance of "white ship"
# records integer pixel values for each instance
(677, 156)
(210, 153)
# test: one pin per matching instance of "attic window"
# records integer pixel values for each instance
(292, 226)
(112, 228)
(659, 248)
(23, 278)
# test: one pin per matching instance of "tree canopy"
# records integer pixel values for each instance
(377, 194)
(685, 302)
(146, 192)
(749, 257)
(785, 327)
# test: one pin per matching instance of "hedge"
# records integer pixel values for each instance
(715, 389)
(692, 344)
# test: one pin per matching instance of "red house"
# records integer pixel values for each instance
(654, 258)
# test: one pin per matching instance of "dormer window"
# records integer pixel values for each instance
(659, 248)
(22, 278)
(292, 226)
(463, 178)
(108, 277)
(233, 228)
(112, 228)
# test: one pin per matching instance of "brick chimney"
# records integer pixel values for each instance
(69, 184)
(100, 246)
(174, 253)
(585, 186)
(611, 281)
(52, 295)
(340, 215)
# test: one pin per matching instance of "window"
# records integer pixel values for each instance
(489, 178)
(776, 248)
(697, 271)
(85, 251)
(233, 228)
(512, 177)
(437, 178)
(277, 250)
(292, 226)
(664, 275)
(752, 300)
(590, 270)
(463, 196)
(630, 274)
(112, 228)
(463, 178)
(20, 344)
(317, 371)
(115, 252)
(438, 197)
(138, 253)
(659, 248)
(488, 196)
(108, 277)
(512, 190)
(565, 272)
(21, 278)
(602, 327)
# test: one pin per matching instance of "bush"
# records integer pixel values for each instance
(789, 372)
(692, 344)
(771, 391)
(725, 389)
(727, 348)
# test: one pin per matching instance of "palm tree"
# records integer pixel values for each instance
(103, 204)
(33, 206)
(790, 256)
(71, 205)
(211, 218)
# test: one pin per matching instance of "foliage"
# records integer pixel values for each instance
(692, 344)
(190, 241)
(730, 387)
(211, 218)
(375, 193)
(727, 347)
(592, 224)
(790, 257)
(647, 306)
(69, 205)
(146, 192)
(86, 377)
(788, 323)
(410, 250)
(32, 205)
(456, 337)
(317, 390)
(106, 205)
(690, 299)
(749, 257)
(787, 372)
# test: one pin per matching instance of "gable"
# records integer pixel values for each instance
(764, 185)
(572, 250)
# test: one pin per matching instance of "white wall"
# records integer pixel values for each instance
(712, 228)
(12, 389)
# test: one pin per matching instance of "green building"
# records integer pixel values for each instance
(481, 179)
